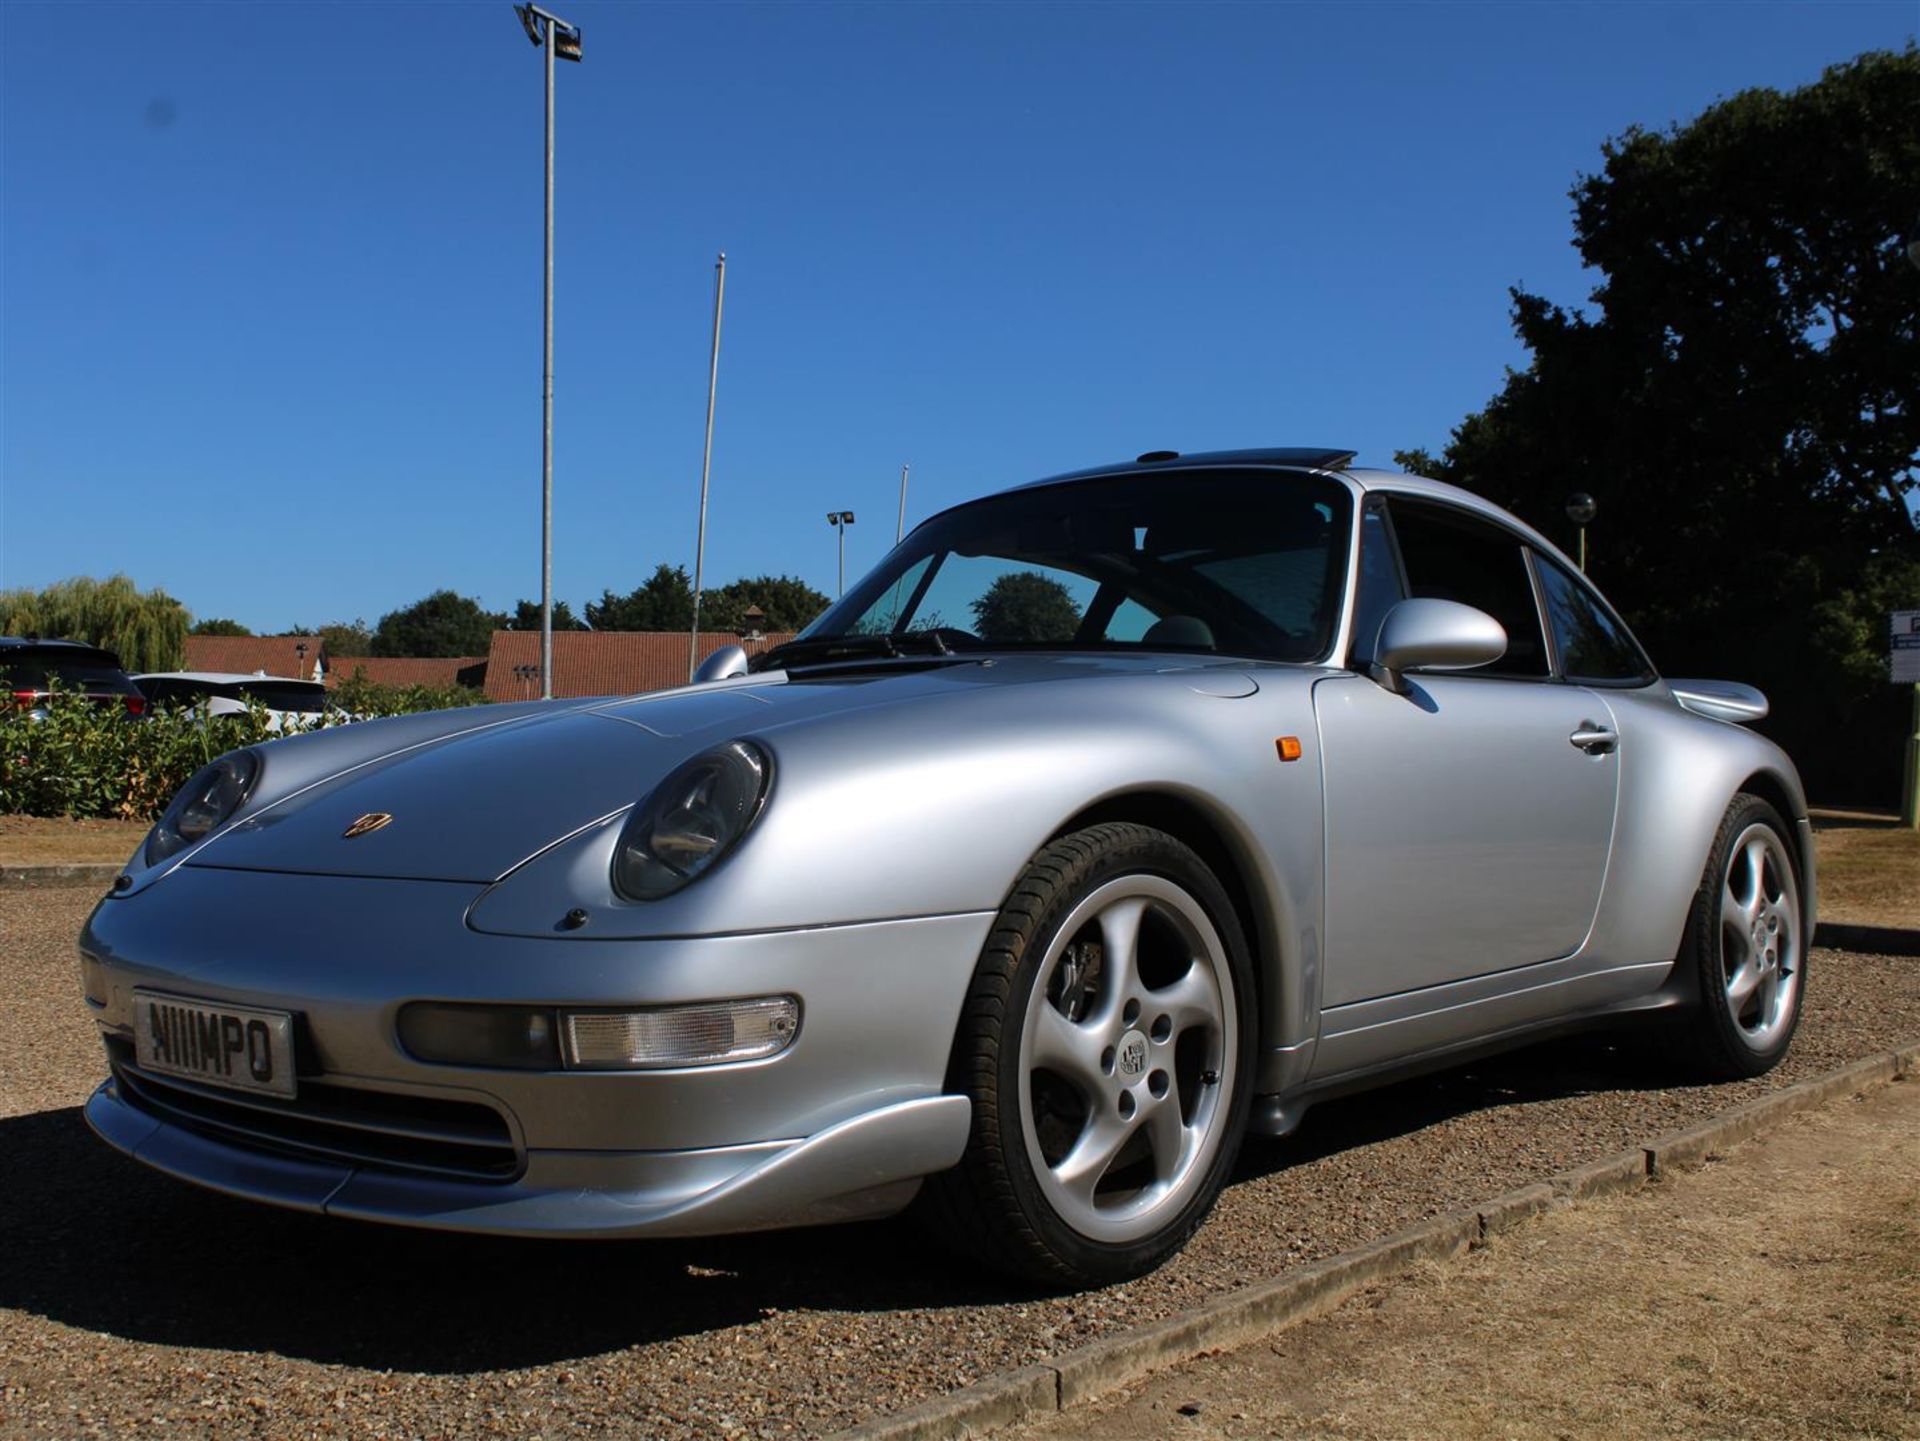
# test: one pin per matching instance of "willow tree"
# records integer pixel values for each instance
(146, 629)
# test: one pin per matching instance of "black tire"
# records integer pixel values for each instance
(996, 1205)
(1714, 1041)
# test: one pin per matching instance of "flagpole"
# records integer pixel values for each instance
(706, 461)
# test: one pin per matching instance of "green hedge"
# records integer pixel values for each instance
(89, 760)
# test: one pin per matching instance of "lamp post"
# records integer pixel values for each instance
(900, 526)
(556, 37)
(1581, 510)
(840, 520)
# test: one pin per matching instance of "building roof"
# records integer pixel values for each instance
(274, 654)
(602, 662)
(436, 671)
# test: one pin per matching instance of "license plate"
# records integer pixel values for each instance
(222, 1045)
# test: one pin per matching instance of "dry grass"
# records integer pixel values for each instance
(1869, 870)
(1774, 1295)
(37, 841)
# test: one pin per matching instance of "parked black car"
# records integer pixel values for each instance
(32, 669)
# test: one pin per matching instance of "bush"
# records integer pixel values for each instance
(87, 760)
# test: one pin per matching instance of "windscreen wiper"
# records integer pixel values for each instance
(826, 650)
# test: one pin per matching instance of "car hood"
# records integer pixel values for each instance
(473, 804)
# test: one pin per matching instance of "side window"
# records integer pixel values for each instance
(1380, 587)
(1593, 645)
(1130, 621)
(1450, 555)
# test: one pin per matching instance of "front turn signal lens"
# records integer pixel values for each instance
(709, 1034)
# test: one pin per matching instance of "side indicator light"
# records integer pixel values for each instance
(1289, 748)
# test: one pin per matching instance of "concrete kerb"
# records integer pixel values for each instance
(1116, 1361)
(1684, 1150)
(1907, 1058)
(74, 875)
(1002, 1400)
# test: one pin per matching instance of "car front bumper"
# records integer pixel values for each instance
(839, 1125)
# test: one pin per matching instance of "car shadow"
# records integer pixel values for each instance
(1854, 820)
(1570, 1066)
(97, 1242)
(1868, 940)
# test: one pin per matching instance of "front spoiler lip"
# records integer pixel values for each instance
(867, 1166)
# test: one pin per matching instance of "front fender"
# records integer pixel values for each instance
(920, 811)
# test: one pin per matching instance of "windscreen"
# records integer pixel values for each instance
(1235, 562)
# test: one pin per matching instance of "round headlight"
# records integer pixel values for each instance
(215, 793)
(692, 819)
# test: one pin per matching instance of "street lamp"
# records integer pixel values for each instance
(840, 520)
(1581, 510)
(556, 37)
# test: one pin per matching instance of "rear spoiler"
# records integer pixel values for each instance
(1726, 700)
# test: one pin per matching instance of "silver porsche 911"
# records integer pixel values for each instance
(1111, 817)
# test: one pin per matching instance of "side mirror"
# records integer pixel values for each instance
(724, 664)
(1434, 635)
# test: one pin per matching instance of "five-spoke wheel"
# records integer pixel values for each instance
(1128, 1053)
(1107, 1046)
(1746, 944)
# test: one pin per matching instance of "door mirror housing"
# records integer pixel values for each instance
(1434, 635)
(724, 664)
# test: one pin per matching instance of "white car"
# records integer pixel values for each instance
(291, 704)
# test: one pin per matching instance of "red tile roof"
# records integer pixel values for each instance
(245, 654)
(601, 662)
(437, 671)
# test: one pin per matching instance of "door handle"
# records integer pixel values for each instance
(1595, 740)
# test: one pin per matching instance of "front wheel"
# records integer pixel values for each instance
(1107, 1046)
(1746, 945)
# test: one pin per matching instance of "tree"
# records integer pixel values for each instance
(341, 638)
(789, 603)
(218, 627)
(147, 630)
(1026, 605)
(440, 624)
(526, 616)
(1739, 399)
(346, 638)
(663, 602)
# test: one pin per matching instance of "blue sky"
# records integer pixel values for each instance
(270, 273)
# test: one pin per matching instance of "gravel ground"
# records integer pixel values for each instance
(129, 1302)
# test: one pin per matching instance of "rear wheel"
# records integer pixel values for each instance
(1746, 945)
(1107, 1046)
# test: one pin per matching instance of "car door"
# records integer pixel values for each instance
(1468, 822)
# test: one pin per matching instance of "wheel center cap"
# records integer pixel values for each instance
(1131, 1058)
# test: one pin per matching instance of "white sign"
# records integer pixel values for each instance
(1906, 647)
